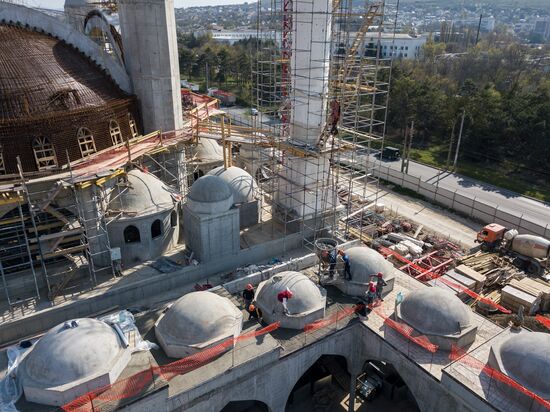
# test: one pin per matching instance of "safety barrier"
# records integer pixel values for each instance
(109, 397)
(460, 355)
(543, 320)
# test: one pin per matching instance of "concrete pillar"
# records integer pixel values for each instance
(151, 55)
(310, 68)
(351, 406)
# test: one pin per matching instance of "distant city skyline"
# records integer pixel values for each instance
(58, 4)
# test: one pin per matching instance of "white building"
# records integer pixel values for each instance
(397, 45)
(233, 36)
(487, 23)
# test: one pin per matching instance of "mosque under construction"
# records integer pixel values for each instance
(129, 228)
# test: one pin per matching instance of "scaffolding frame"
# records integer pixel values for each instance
(359, 79)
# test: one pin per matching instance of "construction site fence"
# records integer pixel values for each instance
(463, 203)
(111, 397)
(499, 389)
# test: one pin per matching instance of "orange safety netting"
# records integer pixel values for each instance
(543, 320)
(460, 355)
(332, 319)
(407, 332)
(143, 381)
(453, 285)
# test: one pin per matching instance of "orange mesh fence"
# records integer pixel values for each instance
(460, 355)
(332, 319)
(543, 320)
(431, 275)
(107, 397)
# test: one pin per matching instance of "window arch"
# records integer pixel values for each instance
(116, 134)
(131, 234)
(86, 141)
(173, 218)
(156, 228)
(44, 153)
(133, 126)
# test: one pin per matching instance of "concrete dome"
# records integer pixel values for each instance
(210, 194)
(307, 296)
(67, 362)
(365, 262)
(208, 150)
(434, 311)
(197, 320)
(525, 358)
(242, 184)
(146, 195)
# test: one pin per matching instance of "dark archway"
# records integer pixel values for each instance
(245, 406)
(317, 387)
(156, 228)
(131, 234)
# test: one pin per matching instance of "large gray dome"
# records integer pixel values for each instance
(63, 356)
(199, 318)
(434, 311)
(306, 297)
(526, 359)
(210, 194)
(241, 183)
(145, 195)
(365, 262)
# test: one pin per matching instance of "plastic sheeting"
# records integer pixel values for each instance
(10, 385)
(126, 322)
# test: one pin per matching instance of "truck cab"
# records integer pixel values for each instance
(490, 236)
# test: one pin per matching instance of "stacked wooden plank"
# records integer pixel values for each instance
(513, 298)
(477, 278)
(534, 288)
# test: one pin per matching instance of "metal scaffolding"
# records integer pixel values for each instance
(331, 185)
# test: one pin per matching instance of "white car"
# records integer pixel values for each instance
(254, 112)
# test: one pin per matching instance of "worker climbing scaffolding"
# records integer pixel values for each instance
(335, 112)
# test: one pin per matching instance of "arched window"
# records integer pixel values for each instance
(173, 218)
(44, 153)
(86, 141)
(156, 228)
(116, 135)
(131, 234)
(133, 126)
(2, 165)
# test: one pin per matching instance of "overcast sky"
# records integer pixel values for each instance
(58, 4)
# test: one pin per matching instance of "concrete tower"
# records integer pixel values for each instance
(151, 56)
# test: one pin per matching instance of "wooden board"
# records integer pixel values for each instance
(512, 298)
(461, 279)
(471, 273)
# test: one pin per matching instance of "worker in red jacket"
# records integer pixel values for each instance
(380, 283)
(335, 113)
(283, 297)
(248, 295)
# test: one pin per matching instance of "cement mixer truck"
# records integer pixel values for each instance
(533, 252)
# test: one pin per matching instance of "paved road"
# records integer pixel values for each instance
(533, 210)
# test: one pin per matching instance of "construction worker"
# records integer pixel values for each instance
(254, 311)
(380, 283)
(248, 295)
(347, 267)
(334, 116)
(283, 297)
(371, 295)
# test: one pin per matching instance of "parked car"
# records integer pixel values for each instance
(389, 153)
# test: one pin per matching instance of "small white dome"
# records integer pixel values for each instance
(241, 183)
(365, 262)
(306, 297)
(526, 359)
(199, 318)
(208, 150)
(434, 311)
(210, 194)
(145, 195)
(64, 356)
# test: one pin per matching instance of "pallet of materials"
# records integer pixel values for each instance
(472, 274)
(535, 288)
(512, 298)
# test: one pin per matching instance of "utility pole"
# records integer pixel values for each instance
(405, 146)
(459, 138)
(478, 28)
(409, 148)
(207, 75)
(451, 146)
